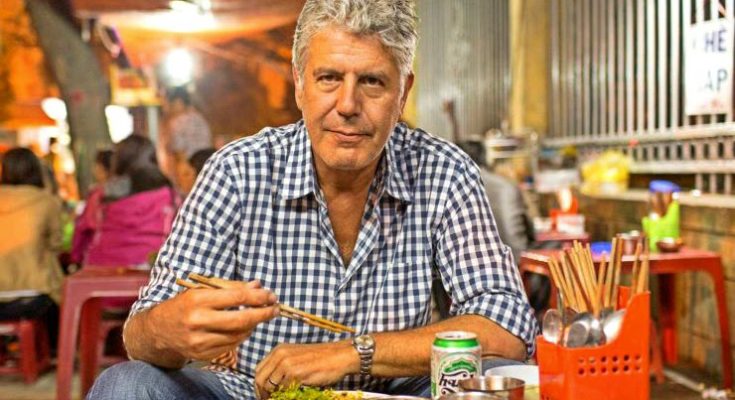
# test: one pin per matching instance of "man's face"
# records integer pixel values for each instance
(351, 97)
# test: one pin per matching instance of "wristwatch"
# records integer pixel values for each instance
(365, 346)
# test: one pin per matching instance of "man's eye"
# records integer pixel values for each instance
(327, 78)
(372, 81)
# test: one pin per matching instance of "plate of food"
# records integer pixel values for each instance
(312, 393)
(359, 394)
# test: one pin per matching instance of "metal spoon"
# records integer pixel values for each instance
(577, 333)
(612, 323)
(552, 325)
(605, 312)
(597, 334)
(568, 316)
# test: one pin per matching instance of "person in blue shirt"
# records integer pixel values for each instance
(345, 214)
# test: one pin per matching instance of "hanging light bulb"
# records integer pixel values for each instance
(179, 66)
(54, 108)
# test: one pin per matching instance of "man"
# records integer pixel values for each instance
(345, 214)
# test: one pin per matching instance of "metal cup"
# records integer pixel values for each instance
(469, 396)
(630, 241)
(501, 387)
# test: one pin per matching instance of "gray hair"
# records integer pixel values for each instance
(394, 21)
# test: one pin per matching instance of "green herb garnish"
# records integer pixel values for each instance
(297, 392)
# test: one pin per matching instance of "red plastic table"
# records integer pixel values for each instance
(90, 283)
(566, 238)
(665, 265)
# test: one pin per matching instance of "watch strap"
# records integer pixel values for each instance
(366, 355)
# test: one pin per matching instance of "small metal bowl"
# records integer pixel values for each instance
(500, 386)
(469, 396)
(669, 245)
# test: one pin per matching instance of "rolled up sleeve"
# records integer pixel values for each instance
(476, 268)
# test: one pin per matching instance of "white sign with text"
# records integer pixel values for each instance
(709, 65)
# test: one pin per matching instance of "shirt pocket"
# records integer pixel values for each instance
(404, 299)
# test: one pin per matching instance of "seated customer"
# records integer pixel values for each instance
(345, 214)
(506, 200)
(188, 173)
(30, 240)
(137, 210)
(514, 224)
(86, 222)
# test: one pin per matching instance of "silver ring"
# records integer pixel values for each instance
(271, 382)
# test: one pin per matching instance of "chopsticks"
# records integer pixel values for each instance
(285, 311)
(585, 290)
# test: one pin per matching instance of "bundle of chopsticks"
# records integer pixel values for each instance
(200, 281)
(585, 289)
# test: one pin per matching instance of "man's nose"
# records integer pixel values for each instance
(348, 101)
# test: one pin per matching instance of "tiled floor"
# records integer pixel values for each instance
(44, 389)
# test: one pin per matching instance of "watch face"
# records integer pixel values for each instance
(364, 341)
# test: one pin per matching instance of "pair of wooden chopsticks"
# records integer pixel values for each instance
(285, 311)
(574, 276)
(585, 290)
(640, 274)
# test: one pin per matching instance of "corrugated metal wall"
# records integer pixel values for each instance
(463, 54)
(617, 82)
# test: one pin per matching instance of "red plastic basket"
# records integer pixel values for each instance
(616, 370)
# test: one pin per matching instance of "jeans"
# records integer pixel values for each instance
(134, 380)
(414, 386)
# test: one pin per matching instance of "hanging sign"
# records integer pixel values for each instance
(132, 87)
(708, 66)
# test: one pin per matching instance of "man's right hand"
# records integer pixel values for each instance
(199, 323)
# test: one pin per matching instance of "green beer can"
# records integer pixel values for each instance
(455, 355)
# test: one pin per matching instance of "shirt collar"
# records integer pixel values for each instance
(395, 182)
(300, 177)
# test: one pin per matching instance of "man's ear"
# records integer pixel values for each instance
(298, 85)
(406, 89)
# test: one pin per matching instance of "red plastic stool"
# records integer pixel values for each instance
(35, 353)
(107, 326)
(94, 332)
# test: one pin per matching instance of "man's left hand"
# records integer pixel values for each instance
(320, 364)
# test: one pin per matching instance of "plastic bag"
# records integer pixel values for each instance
(606, 174)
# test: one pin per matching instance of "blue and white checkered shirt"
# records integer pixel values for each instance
(257, 212)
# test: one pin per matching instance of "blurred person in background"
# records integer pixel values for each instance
(86, 223)
(102, 167)
(189, 172)
(61, 163)
(29, 250)
(186, 131)
(137, 208)
(509, 208)
(512, 215)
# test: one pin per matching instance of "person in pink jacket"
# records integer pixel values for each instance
(137, 208)
(85, 223)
